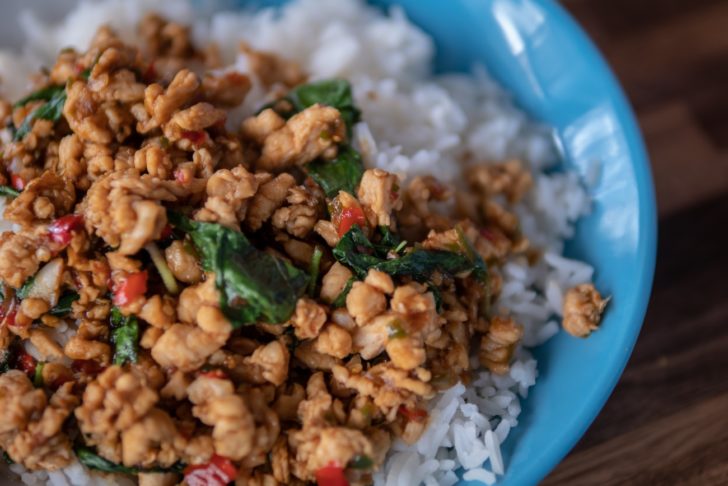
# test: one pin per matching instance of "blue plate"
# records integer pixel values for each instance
(537, 51)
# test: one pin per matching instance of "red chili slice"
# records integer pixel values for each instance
(17, 182)
(61, 230)
(218, 472)
(331, 475)
(414, 414)
(130, 287)
(26, 363)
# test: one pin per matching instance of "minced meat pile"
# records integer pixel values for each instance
(186, 301)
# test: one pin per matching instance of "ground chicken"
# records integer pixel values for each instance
(228, 195)
(312, 133)
(510, 178)
(270, 196)
(124, 209)
(45, 198)
(499, 344)
(365, 302)
(582, 310)
(182, 263)
(334, 282)
(20, 256)
(113, 403)
(271, 68)
(30, 425)
(267, 363)
(186, 347)
(379, 196)
(333, 340)
(218, 406)
(308, 319)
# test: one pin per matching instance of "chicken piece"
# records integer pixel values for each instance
(364, 302)
(159, 311)
(194, 119)
(158, 479)
(327, 230)
(317, 447)
(312, 133)
(287, 401)
(82, 110)
(124, 209)
(270, 196)
(31, 426)
(267, 363)
(388, 386)
(218, 406)
(46, 197)
(370, 339)
(70, 164)
(20, 256)
(45, 344)
(183, 263)
(334, 282)
(112, 403)
(280, 459)
(379, 196)
(499, 344)
(380, 281)
(510, 178)
(308, 318)
(227, 90)
(258, 127)
(298, 219)
(582, 310)
(194, 297)
(187, 347)
(153, 160)
(151, 441)
(160, 104)
(333, 340)
(306, 354)
(270, 68)
(228, 195)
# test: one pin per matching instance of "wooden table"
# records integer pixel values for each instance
(667, 421)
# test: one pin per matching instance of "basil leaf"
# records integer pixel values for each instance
(91, 460)
(23, 291)
(64, 304)
(254, 285)
(358, 253)
(38, 375)
(7, 459)
(360, 461)
(313, 270)
(125, 337)
(340, 300)
(52, 110)
(7, 191)
(43, 94)
(331, 92)
(341, 174)
(421, 264)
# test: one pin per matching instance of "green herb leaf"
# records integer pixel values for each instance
(43, 94)
(125, 337)
(5, 359)
(313, 270)
(341, 174)
(254, 285)
(331, 92)
(91, 460)
(358, 253)
(8, 191)
(52, 110)
(64, 304)
(38, 375)
(340, 300)
(360, 461)
(23, 291)
(7, 459)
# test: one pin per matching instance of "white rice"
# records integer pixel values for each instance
(415, 124)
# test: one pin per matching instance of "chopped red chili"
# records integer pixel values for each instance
(218, 472)
(130, 287)
(331, 475)
(61, 230)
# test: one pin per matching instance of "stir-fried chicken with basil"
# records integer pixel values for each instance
(188, 300)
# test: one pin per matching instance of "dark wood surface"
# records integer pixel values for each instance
(667, 421)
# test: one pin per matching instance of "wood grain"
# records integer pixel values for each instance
(667, 421)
